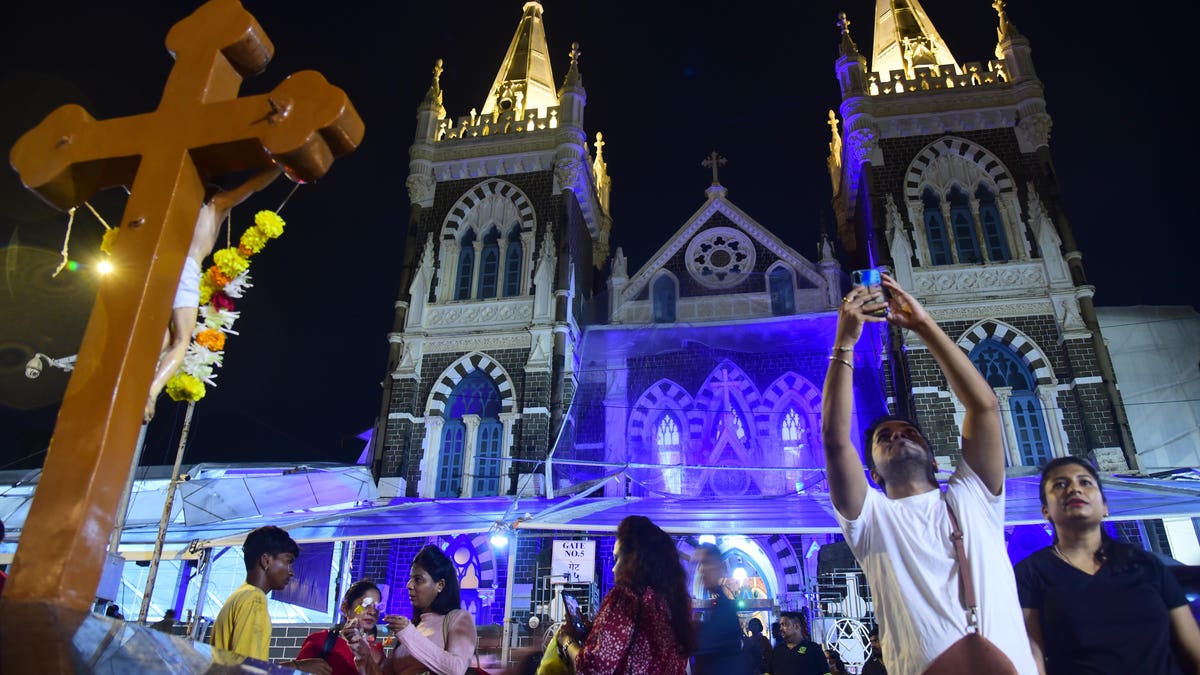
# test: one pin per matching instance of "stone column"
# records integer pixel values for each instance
(506, 445)
(474, 290)
(470, 448)
(432, 446)
(1012, 447)
(1048, 396)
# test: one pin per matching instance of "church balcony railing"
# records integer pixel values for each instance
(497, 124)
(945, 76)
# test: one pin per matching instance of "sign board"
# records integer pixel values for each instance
(573, 561)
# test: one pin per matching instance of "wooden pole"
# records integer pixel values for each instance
(165, 519)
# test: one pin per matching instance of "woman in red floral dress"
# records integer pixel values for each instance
(644, 626)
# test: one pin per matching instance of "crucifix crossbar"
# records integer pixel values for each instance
(200, 130)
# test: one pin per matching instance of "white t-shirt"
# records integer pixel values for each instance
(905, 550)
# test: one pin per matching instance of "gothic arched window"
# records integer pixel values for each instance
(466, 268)
(449, 483)
(512, 264)
(993, 229)
(935, 230)
(664, 300)
(489, 265)
(666, 435)
(487, 459)
(963, 226)
(783, 295)
(475, 395)
(1001, 367)
(791, 428)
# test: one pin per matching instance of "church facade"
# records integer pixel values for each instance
(520, 339)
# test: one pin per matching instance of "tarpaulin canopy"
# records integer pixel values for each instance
(811, 513)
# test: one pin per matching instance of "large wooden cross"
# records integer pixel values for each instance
(201, 129)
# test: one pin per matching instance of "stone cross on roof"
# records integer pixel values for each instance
(714, 161)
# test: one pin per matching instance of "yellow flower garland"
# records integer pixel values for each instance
(225, 280)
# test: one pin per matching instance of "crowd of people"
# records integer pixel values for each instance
(946, 598)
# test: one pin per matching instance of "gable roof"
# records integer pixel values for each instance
(717, 203)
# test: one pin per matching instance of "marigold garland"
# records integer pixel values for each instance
(225, 280)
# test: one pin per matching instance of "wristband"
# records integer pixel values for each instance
(843, 349)
(842, 361)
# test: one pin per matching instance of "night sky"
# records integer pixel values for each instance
(665, 85)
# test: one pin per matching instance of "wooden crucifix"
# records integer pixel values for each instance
(200, 130)
(714, 161)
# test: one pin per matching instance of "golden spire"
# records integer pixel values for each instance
(905, 39)
(525, 80)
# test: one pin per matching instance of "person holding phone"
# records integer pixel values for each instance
(902, 535)
(441, 637)
(644, 624)
(360, 609)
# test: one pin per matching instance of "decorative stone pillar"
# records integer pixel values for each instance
(470, 448)
(432, 446)
(949, 224)
(1012, 447)
(506, 447)
(616, 409)
(474, 290)
(1048, 396)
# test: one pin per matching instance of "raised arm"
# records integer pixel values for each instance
(226, 200)
(843, 468)
(982, 447)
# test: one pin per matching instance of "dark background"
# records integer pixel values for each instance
(667, 82)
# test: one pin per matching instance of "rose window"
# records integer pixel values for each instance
(720, 257)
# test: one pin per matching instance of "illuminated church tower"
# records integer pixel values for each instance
(509, 217)
(942, 171)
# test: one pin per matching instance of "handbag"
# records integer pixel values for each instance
(972, 653)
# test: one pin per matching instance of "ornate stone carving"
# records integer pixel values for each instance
(720, 257)
(420, 189)
(861, 147)
(1003, 278)
(483, 343)
(568, 173)
(991, 309)
(1034, 130)
(480, 313)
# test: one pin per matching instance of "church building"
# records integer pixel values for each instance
(528, 359)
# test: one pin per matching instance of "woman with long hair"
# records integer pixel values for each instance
(644, 625)
(1096, 605)
(441, 636)
(360, 609)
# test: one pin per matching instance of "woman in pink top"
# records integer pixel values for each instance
(441, 637)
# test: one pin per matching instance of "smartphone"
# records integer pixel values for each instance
(575, 616)
(872, 279)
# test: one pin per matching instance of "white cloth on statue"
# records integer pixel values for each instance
(188, 292)
(905, 550)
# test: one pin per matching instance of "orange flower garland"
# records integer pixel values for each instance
(223, 282)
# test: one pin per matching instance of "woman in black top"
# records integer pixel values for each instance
(1095, 605)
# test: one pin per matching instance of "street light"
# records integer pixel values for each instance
(33, 369)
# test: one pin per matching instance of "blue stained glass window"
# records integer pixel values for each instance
(964, 228)
(993, 228)
(664, 300)
(450, 466)
(783, 296)
(935, 230)
(512, 266)
(487, 459)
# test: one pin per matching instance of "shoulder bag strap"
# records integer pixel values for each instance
(966, 585)
(330, 641)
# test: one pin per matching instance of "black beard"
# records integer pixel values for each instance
(907, 468)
